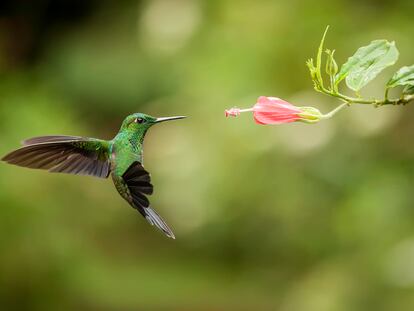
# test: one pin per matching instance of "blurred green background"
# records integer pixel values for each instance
(293, 218)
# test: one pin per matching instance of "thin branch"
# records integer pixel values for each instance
(376, 102)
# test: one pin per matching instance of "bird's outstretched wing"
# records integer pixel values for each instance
(138, 182)
(63, 154)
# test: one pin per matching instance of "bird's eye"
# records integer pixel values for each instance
(139, 120)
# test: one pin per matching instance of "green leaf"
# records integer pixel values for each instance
(404, 76)
(408, 90)
(319, 58)
(367, 63)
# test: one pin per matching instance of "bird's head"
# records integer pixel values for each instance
(140, 122)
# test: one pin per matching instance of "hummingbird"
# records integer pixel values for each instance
(121, 157)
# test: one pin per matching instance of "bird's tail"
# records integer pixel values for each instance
(154, 219)
(134, 186)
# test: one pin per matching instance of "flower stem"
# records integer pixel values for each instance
(333, 112)
(386, 93)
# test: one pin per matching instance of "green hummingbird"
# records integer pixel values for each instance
(122, 157)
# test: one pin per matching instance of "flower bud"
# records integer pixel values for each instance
(331, 65)
(272, 110)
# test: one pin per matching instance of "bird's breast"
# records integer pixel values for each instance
(122, 158)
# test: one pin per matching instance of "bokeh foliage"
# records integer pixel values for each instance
(296, 217)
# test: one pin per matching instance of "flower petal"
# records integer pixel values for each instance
(274, 119)
(274, 104)
(273, 110)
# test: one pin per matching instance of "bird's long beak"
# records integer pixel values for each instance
(169, 119)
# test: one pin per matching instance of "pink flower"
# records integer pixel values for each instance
(272, 110)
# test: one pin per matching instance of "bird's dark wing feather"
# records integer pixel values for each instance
(50, 139)
(63, 154)
(139, 185)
